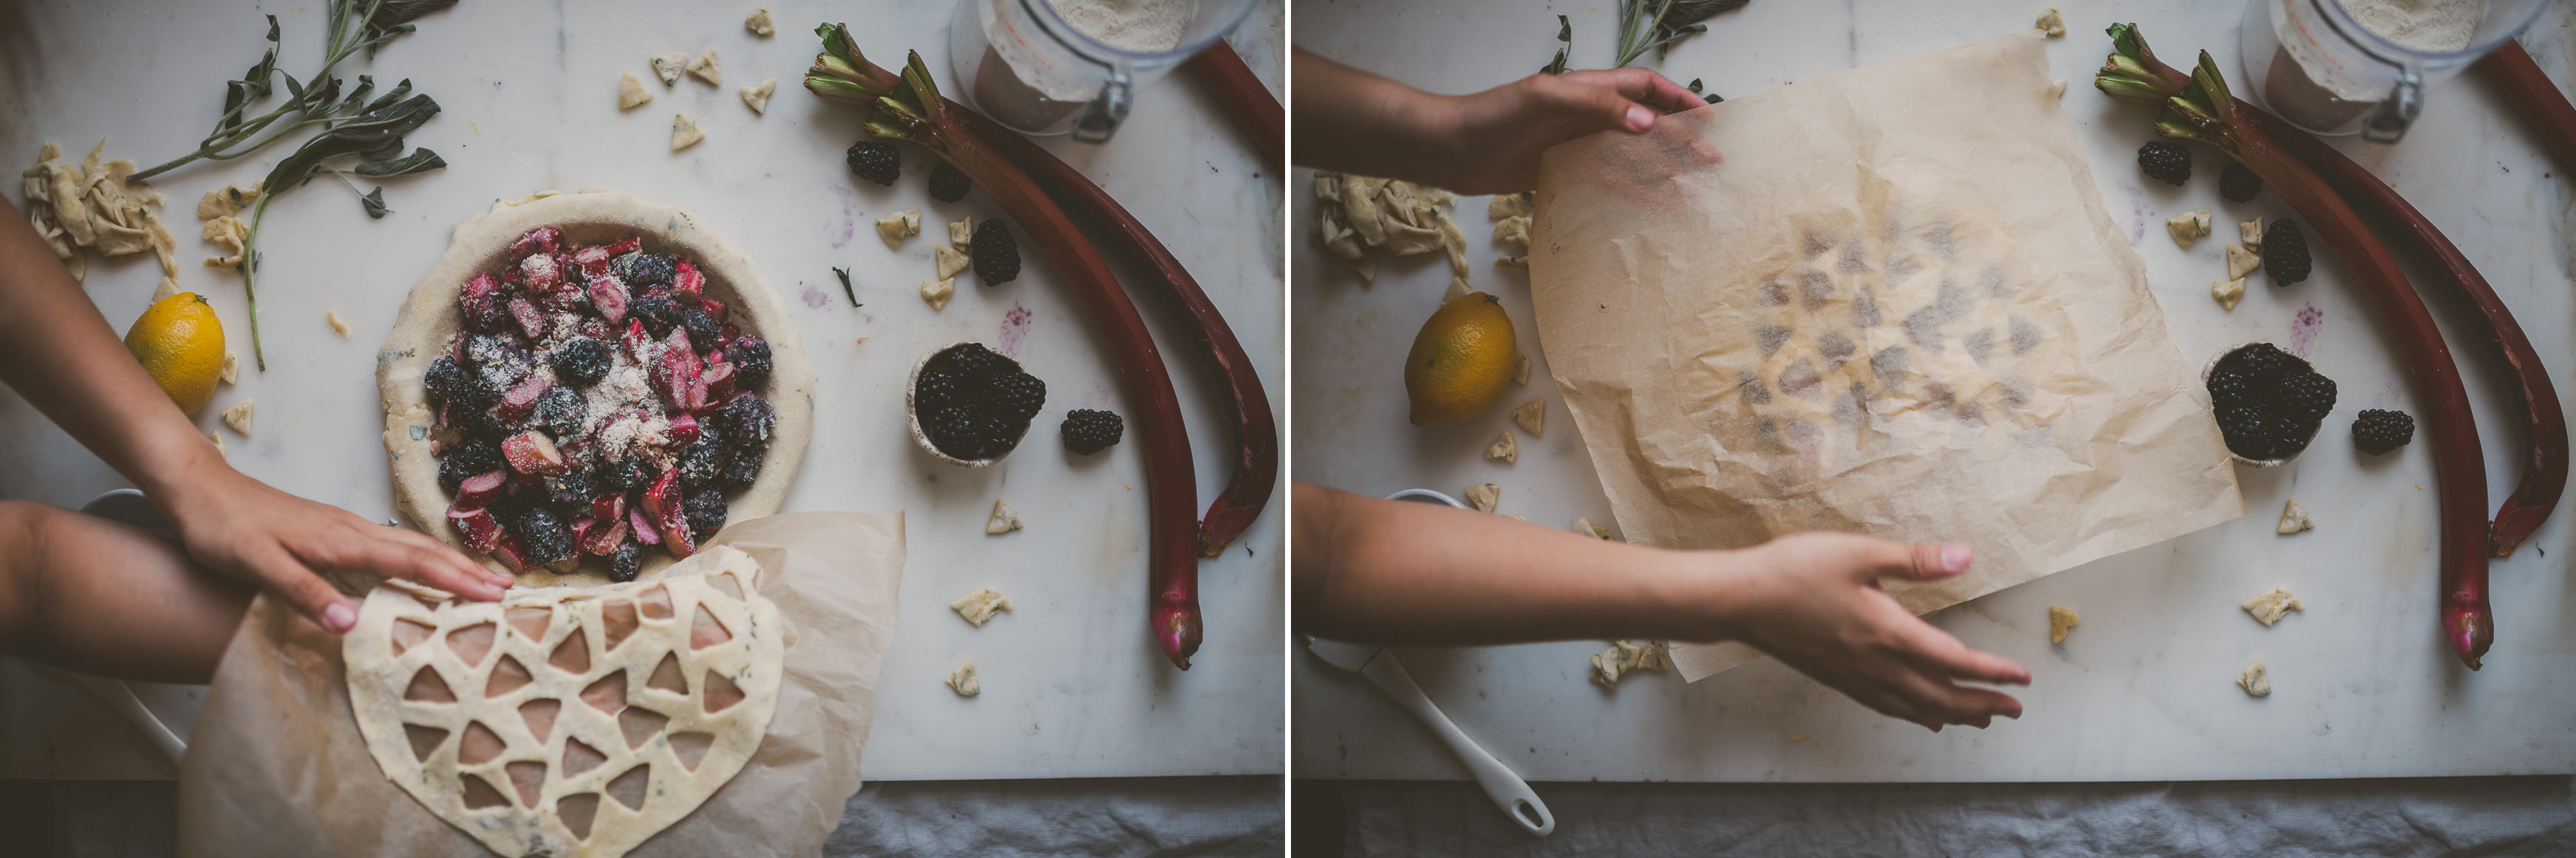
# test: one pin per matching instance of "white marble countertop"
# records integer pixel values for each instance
(1072, 684)
(2144, 689)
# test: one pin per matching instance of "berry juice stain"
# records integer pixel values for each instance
(815, 299)
(2303, 329)
(1015, 328)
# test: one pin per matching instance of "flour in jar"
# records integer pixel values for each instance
(2425, 25)
(1139, 25)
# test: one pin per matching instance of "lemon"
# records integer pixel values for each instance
(181, 343)
(1461, 362)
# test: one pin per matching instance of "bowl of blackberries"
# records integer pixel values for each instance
(2268, 402)
(970, 405)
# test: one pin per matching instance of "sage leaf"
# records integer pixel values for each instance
(375, 201)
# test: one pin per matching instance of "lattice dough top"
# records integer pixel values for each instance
(569, 722)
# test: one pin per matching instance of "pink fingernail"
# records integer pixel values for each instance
(1639, 118)
(338, 617)
(1955, 557)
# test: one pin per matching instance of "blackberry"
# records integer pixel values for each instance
(658, 312)
(702, 328)
(955, 431)
(2248, 434)
(2285, 253)
(643, 269)
(624, 562)
(705, 512)
(570, 493)
(2239, 184)
(2228, 388)
(2262, 363)
(997, 254)
(2160, 159)
(750, 359)
(544, 536)
(487, 315)
(875, 161)
(2379, 432)
(448, 382)
(970, 361)
(701, 461)
(475, 455)
(482, 424)
(582, 361)
(560, 411)
(739, 472)
(934, 388)
(949, 184)
(747, 421)
(496, 364)
(2305, 399)
(630, 474)
(1018, 397)
(1087, 431)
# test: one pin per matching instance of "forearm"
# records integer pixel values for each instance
(1355, 122)
(1411, 573)
(59, 353)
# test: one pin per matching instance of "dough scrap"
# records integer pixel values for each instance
(2051, 22)
(1400, 217)
(2273, 604)
(2251, 233)
(704, 68)
(2294, 518)
(669, 66)
(337, 326)
(2241, 262)
(1483, 496)
(758, 21)
(1504, 449)
(2190, 225)
(232, 367)
(238, 416)
(1586, 527)
(2227, 292)
(962, 679)
(894, 228)
(757, 97)
(1520, 368)
(2059, 621)
(684, 132)
(2256, 681)
(1625, 657)
(961, 232)
(1532, 417)
(980, 605)
(513, 720)
(948, 260)
(936, 292)
(1004, 519)
(1508, 206)
(631, 92)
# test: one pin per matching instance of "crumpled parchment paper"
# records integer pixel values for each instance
(1888, 301)
(276, 765)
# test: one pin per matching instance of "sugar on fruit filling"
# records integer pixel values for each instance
(597, 402)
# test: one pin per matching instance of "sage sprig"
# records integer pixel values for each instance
(1646, 25)
(352, 25)
(375, 137)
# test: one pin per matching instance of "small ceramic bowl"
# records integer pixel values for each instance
(2212, 367)
(912, 412)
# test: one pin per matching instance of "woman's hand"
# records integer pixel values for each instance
(1812, 600)
(1494, 138)
(249, 530)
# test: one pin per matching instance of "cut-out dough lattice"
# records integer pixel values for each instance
(569, 722)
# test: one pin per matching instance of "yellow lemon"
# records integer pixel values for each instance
(1461, 361)
(181, 343)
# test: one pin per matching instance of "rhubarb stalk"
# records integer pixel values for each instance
(907, 106)
(2539, 102)
(1241, 94)
(2203, 110)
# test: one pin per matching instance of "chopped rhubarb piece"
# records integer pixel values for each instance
(540, 273)
(532, 321)
(475, 527)
(642, 526)
(544, 239)
(600, 540)
(726, 335)
(687, 283)
(511, 554)
(608, 507)
(677, 540)
(663, 499)
(518, 401)
(608, 296)
(478, 491)
(719, 381)
(592, 260)
(715, 309)
(677, 345)
(684, 429)
(630, 245)
(581, 527)
(636, 340)
(532, 453)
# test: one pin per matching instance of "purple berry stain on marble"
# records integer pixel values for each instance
(2303, 328)
(849, 217)
(2137, 212)
(1015, 329)
(814, 298)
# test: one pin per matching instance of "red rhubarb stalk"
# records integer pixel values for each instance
(2544, 474)
(1249, 103)
(2540, 102)
(909, 108)
(2205, 111)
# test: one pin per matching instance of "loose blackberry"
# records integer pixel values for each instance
(475, 455)
(630, 474)
(2380, 432)
(447, 382)
(2239, 184)
(570, 493)
(560, 411)
(701, 461)
(544, 536)
(739, 472)
(875, 161)
(750, 359)
(705, 512)
(997, 254)
(702, 328)
(747, 421)
(949, 184)
(2159, 159)
(1087, 431)
(624, 562)
(658, 312)
(2305, 398)
(643, 269)
(1018, 397)
(2228, 388)
(2285, 253)
(582, 361)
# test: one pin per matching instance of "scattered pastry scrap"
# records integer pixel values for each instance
(980, 605)
(704, 68)
(631, 92)
(961, 232)
(1483, 496)
(1625, 657)
(2255, 680)
(1504, 449)
(1400, 217)
(1512, 229)
(936, 292)
(962, 679)
(758, 96)
(1586, 527)
(2272, 605)
(948, 260)
(894, 228)
(2227, 292)
(669, 66)
(337, 326)
(758, 22)
(2241, 262)
(2294, 519)
(92, 206)
(2051, 22)
(2188, 227)
(1004, 519)
(2251, 234)
(2059, 621)
(1520, 368)
(684, 132)
(2057, 88)
(1532, 417)
(232, 367)
(219, 444)
(238, 417)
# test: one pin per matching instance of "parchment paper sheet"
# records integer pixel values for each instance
(1888, 301)
(276, 765)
